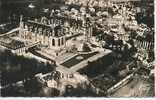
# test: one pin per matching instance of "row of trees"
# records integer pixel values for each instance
(16, 68)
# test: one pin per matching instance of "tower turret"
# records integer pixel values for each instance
(21, 22)
(21, 27)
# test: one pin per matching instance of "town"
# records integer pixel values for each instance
(77, 48)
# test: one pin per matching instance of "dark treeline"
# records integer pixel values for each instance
(147, 15)
(16, 68)
(15, 8)
(103, 64)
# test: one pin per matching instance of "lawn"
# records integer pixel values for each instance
(73, 61)
(97, 67)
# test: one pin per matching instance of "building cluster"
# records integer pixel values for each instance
(90, 3)
(109, 19)
(98, 3)
(60, 82)
(118, 19)
(14, 45)
(95, 26)
(54, 30)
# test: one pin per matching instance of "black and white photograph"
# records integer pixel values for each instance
(77, 48)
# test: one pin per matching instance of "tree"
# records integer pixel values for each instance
(15, 68)
(86, 48)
